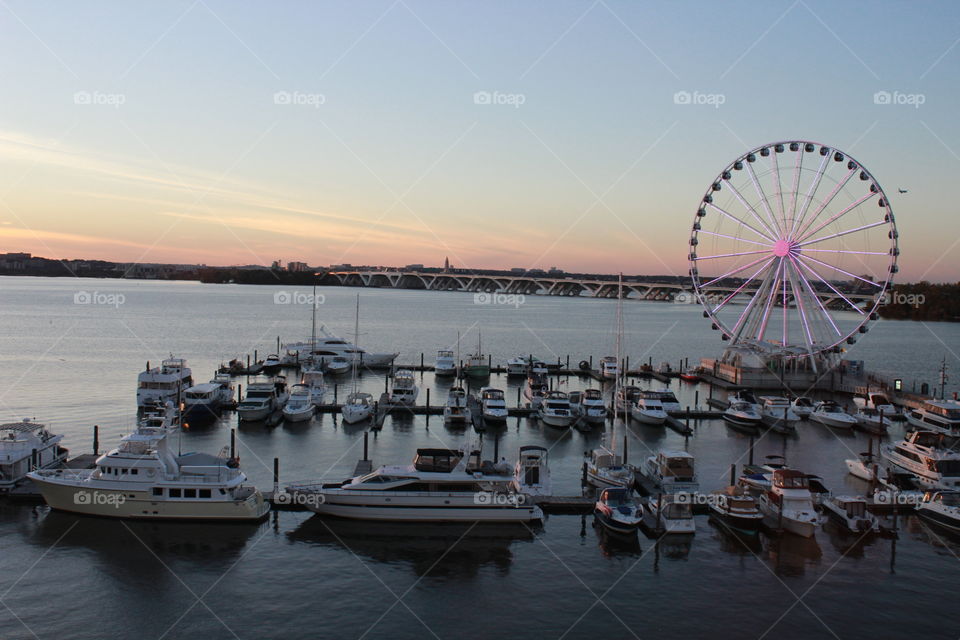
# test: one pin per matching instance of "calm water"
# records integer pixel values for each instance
(296, 576)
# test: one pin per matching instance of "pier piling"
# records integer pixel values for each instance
(96, 439)
(366, 445)
(233, 444)
(276, 475)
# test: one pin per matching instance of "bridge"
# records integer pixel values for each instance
(529, 285)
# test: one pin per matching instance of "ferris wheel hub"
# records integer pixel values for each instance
(782, 248)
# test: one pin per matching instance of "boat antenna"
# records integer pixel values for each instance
(313, 323)
(459, 372)
(356, 339)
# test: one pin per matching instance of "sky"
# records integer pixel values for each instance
(498, 134)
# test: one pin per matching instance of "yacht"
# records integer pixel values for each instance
(477, 366)
(877, 401)
(735, 509)
(922, 454)
(262, 400)
(803, 407)
(872, 420)
(456, 411)
(942, 508)
(671, 471)
(555, 410)
(851, 514)
(937, 415)
(669, 514)
(832, 414)
(521, 365)
(445, 364)
(742, 415)
(668, 400)
(327, 346)
(25, 446)
(336, 365)
(625, 398)
(312, 377)
(648, 408)
(759, 477)
(163, 383)
(863, 466)
(789, 504)
(588, 405)
(745, 395)
(493, 405)
(535, 388)
(442, 485)
(357, 408)
(299, 406)
(606, 469)
(272, 364)
(618, 510)
(405, 390)
(143, 478)
(776, 413)
(531, 474)
(609, 368)
(203, 402)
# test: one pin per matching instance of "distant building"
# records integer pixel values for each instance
(556, 272)
(518, 270)
(446, 265)
(536, 272)
(297, 266)
(413, 267)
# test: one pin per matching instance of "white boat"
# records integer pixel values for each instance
(456, 410)
(803, 407)
(624, 398)
(531, 474)
(326, 346)
(521, 365)
(442, 485)
(555, 410)
(160, 415)
(832, 414)
(743, 415)
(299, 406)
(203, 402)
(788, 504)
(777, 414)
(668, 400)
(872, 420)
(618, 510)
(144, 479)
(262, 400)
(923, 454)
(648, 409)
(357, 408)
(735, 509)
(312, 377)
(851, 514)
(863, 466)
(606, 469)
(535, 388)
(671, 471)
(588, 406)
(25, 446)
(163, 383)
(272, 364)
(669, 514)
(937, 415)
(609, 368)
(404, 390)
(493, 405)
(337, 365)
(759, 478)
(877, 401)
(942, 508)
(664, 368)
(745, 395)
(445, 364)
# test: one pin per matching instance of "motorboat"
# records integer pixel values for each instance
(456, 410)
(759, 477)
(337, 365)
(312, 377)
(745, 395)
(735, 509)
(618, 510)
(609, 367)
(299, 406)
(163, 383)
(664, 368)
(669, 513)
(937, 415)
(625, 398)
(647, 408)
(262, 400)
(788, 503)
(531, 474)
(692, 374)
(24, 447)
(923, 454)
(445, 364)
(671, 471)
(522, 365)
(742, 415)
(941, 508)
(357, 408)
(831, 414)
(555, 410)
(327, 346)
(442, 485)
(404, 390)
(606, 468)
(668, 400)
(851, 514)
(872, 420)
(160, 415)
(777, 414)
(878, 401)
(204, 402)
(803, 407)
(272, 364)
(477, 365)
(143, 478)
(863, 466)
(535, 388)
(588, 406)
(493, 405)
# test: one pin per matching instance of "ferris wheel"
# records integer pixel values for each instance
(793, 248)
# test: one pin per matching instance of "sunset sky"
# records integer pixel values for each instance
(240, 133)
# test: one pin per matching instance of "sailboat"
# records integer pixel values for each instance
(359, 405)
(477, 365)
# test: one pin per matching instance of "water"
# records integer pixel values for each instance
(296, 576)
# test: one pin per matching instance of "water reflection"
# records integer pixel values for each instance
(734, 542)
(615, 544)
(790, 554)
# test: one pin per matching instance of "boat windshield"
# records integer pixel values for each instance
(678, 511)
(949, 468)
(856, 509)
(949, 499)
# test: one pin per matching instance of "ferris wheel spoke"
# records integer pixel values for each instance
(831, 287)
(737, 291)
(763, 199)
(853, 205)
(735, 271)
(810, 193)
(816, 298)
(826, 203)
(775, 175)
(796, 187)
(786, 307)
(768, 305)
(862, 253)
(723, 235)
(798, 296)
(741, 222)
(846, 273)
(731, 255)
(752, 210)
(842, 233)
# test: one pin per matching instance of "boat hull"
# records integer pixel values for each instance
(741, 523)
(356, 415)
(614, 525)
(253, 415)
(645, 417)
(298, 416)
(558, 422)
(398, 508)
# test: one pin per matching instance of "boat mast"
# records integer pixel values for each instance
(313, 324)
(356, 338)
(621, 374)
